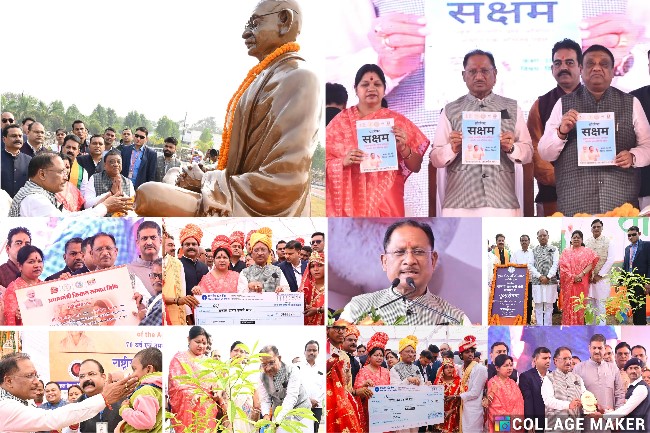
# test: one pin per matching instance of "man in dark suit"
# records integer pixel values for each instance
(138, 160)
(637, 258)
(426, 358)
(530, 383)
(497, 349)
(93, 162)
(292, 267)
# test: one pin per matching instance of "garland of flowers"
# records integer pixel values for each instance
(232, 105)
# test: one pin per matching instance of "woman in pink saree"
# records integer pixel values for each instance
(576, 263)
(372, 374)
(185, 404)
(503, 394)
(30, 263)
(371, 194)
(220, 279)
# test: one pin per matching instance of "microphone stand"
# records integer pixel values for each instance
(403, 297)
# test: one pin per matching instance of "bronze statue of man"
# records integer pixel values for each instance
(269, 133)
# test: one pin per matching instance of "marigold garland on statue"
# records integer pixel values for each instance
(232, 105)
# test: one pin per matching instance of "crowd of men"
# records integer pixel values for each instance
(132, 403)
(94, 169)
(252, 255)
(100, 252)
(543, 261)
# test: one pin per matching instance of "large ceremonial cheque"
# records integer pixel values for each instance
(481, 137)
(100, 298)
(521, 32)
(596, 139)
(398, 407)
(377, 140)
(250, 309)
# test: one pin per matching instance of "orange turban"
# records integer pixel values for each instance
(379, 339)
(237, 236)
(468, 343)
(221, 241)
(301, 241)
(191, 231)
(409, 340)
(352, 330)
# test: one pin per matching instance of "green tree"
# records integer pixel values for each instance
(132, 120)
(206, 135)
(318, 161)
(167, 128)
(72, 114)
(209, 123)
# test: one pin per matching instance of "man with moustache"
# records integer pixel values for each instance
(73, 258)
(93, 162)
(148, 241)
(349, 346)
(168, 159)
(177, 304)
(318, 242)
(78, 175)
(193, 268)
(639, 352)
(530, 384)
(14, 162)
(169, 246)
(92, 381)
(237, 247)
(562, 388)
(47, 176)
(409, 253)
(636, 408)
(608, 356)
(17, 238)
(601, 378)
(19, 383)
(596, 189)
(79, 129)
(523, 257)
(622, 353)
(153, 309)
(35, 139)
(139, 159)
(566, 68)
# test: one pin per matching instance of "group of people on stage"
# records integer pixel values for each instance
(237, 263)
(279, 383)
(583, 269)
(620, 386)
(352, 375)
(549, 136)
(127, 404)
(25, 264)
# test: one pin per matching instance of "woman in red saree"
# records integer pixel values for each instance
(576, 263)
(503, 394)
(185, 404)
(448, 377)
(313, 286)
(374, 194)
(30, 263)
(220, 279)
(341, 410)
(70, 197)
(372, 374)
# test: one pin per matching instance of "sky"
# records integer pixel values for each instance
(156, 57)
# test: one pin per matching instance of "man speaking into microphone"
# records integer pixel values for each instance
(408, 260)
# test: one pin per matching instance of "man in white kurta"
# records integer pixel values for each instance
(599, 287)
(543, 269)
(471, 386)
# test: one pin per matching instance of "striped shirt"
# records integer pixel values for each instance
(424, 309)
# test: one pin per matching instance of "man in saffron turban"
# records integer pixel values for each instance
(268, 137)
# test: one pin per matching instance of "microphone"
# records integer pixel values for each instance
(411, 283)
(393, 284)
(481, 105)
(440, 313)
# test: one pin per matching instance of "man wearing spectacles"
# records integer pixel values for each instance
(14, 162)
(409, 260)
(35, 139)
(47, 176)
(479, 190)
(139, 161)
(318, 242)
(151, 313)
(637, 260)
(271, 129)
(7, 118)
(19, 383)
(562, 388)
(148, 241)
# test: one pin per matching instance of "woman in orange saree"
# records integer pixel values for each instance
(576, 263)
(371, 194)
